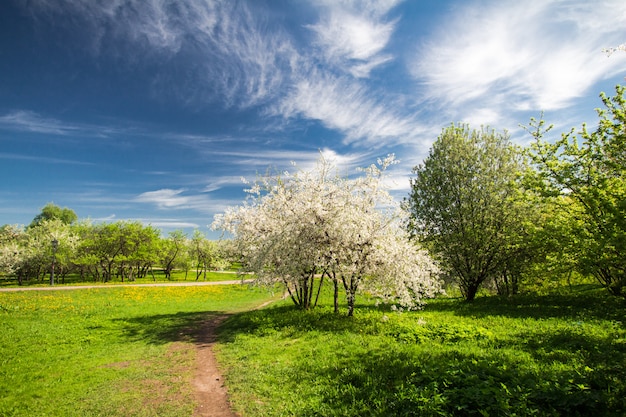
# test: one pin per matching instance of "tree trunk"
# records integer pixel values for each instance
(336, 293)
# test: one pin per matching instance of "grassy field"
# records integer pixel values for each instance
(551, 355)
(124, 351)
(159, 276)
(129, 351)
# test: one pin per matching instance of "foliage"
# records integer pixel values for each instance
(122, 250)
(585, 179)
(107, 351)
(468, 209)
(206, 253)
(53, 212)
(527, 355)
(171, 252)
(297, 226)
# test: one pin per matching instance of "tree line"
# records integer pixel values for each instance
(123, 250)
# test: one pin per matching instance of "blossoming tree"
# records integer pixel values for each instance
(300, 229)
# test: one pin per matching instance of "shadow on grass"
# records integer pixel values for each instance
(590, 304)
(196, 327)
(455, 383)
(374, 369)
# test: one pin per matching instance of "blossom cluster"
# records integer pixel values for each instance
(294, 227)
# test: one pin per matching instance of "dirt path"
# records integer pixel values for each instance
(208, 383)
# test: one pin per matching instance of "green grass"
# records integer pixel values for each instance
(159, 276)
(106, 352)
(550, 355)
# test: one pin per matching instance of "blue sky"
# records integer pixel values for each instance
(154, 110)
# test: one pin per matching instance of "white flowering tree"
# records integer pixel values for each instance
(300, 229)
(29, 252)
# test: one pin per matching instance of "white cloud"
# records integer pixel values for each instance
(515, 56)
(42, 159)
(170, 223)
(236, 57)
(353, 34)
(28, 121)
(345, 105)
(174, 199)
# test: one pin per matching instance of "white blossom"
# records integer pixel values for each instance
(292, 229)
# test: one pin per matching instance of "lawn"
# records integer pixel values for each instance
(156, 276)
(106, 352)
(550, 355)
(129, 351)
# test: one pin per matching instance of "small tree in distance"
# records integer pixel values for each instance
(51, 212)
(300, 229)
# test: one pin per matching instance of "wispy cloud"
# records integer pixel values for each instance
(354, 34)
(351, 108)
(230, 50)
(174, 199)
(42, 159)
(498, 57)
(170, 223)
(28, 121)
(21, 120)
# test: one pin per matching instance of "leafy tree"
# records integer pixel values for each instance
(466, 207)
(12, 250)
(51, 211)
(298, 229)
(171, 251)
(29, 253)
(206, 253)
(586, 178)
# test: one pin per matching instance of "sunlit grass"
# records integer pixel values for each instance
(110, 351)
(530, 355)
(156, 277)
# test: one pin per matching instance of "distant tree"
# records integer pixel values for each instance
(206, 254)
(51, 211)
(299, 229)
(466, 207)
(125, 249)
(171, 250)
(29, 253)
(12, 251)
(586, 178)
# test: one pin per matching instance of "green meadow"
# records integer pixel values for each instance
(125, 351)
(551, 355)
(129, 351)
(156, 276)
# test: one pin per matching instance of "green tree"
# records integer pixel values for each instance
(171, 251)
(206, 254)
(53, 212)
(587, 178)
(467, 208)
